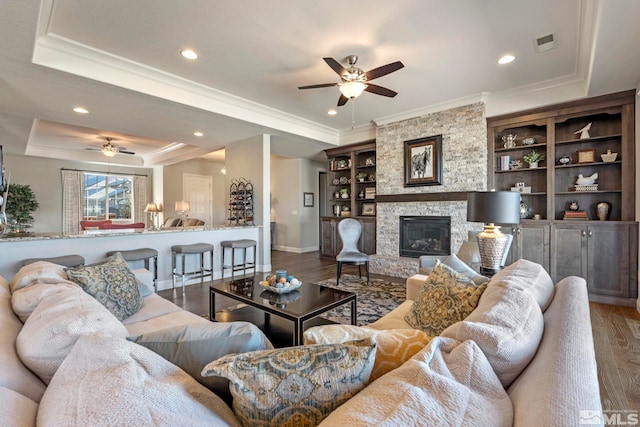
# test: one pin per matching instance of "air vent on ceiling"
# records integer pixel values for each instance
(544, 43)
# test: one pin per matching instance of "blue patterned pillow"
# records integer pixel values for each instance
(111, 283)
(295, 385)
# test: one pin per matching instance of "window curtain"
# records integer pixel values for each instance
(72, 200)
(139, 198)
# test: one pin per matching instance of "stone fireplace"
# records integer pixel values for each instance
(425, 235)
(464, 168)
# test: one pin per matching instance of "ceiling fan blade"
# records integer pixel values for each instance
(342, 100)
(335, 66)
(379, 90)
(384, 70)
(93, 148)
(124, 151)
(318, 86)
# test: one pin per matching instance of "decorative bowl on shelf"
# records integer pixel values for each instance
(529, 140)
(609, 157)
(285, 289)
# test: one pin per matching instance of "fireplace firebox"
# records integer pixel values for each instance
(425, 235)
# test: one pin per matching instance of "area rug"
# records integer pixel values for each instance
(375, 300)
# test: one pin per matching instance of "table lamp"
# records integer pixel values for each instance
(490, 208)
(182, 206)
(153, 210)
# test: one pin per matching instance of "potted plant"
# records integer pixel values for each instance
(361, 176)
(344, 193)
(21, 203)
(533, 158)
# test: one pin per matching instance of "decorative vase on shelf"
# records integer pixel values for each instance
(603, 211)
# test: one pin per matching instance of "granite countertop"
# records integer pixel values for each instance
(117, 232)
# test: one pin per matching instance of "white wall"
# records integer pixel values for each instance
(296, 226)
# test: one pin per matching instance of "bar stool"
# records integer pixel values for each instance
(196, 248)
(142, 254)
(238, 244)
(65, 260)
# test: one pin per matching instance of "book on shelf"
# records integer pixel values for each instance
(578, 215)
(503, 163)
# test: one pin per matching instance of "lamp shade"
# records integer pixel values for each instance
(493, 207)
(182, 206)
(352, 89)
(151, 207)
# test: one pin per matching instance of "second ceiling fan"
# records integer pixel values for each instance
(355, 80)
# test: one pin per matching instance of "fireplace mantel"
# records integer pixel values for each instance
(450, 196)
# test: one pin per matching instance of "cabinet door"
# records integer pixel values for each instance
(608, 260)
(367, 242)
(533, 243)
(570, 251)
(328, 237)
(530, 242)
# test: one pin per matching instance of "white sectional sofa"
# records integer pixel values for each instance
(541, 371)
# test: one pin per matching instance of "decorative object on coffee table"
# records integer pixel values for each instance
(490, 208)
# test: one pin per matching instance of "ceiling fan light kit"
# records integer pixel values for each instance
(109, 149)
(352, 89)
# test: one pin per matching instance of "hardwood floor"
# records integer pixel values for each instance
(616, 329)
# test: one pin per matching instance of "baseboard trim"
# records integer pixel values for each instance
(626, 302)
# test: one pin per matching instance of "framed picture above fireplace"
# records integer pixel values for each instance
(423, 161)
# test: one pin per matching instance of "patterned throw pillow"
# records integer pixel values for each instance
(394, 346)
(295, 385)
(445, 298)
(112, 284)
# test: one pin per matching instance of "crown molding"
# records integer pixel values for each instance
(63, 54)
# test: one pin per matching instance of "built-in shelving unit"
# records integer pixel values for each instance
(602, 250)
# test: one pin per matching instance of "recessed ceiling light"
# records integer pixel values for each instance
(189, 54)
(198, 134)
(81, 110)
(506, 59)
(332, 112)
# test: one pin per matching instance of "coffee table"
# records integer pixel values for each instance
(298, 306)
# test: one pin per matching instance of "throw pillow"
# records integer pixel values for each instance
(57, 322)
(445, 298)
(194, 345)
(111, 283)
(109, 381)
(394, 346)
(507, 326)
(295, 385)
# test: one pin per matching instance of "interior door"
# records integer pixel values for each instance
(197, 190)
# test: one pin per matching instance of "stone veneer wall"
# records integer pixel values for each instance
(464, 168)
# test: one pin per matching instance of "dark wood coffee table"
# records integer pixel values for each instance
(302, 306)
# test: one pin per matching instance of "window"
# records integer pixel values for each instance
(107, 196)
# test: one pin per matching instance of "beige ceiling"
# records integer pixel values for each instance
(120, 59)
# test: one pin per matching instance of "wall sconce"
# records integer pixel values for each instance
(153, 210)
(182, 206)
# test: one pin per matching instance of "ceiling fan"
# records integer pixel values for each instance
(110, 150)
(355, 80)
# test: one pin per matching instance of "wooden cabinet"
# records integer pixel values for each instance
(606, 255)
(531, 241)
(597, 250)
(332, 244)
